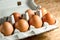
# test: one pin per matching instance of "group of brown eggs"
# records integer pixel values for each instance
(23, 25)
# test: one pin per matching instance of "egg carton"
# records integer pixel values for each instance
(31, 32)
(25, 4)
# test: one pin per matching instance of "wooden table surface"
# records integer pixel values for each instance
(54, 8)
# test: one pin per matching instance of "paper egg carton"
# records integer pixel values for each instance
(32, 31)
(26, 4)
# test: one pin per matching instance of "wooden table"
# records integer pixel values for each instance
(54, 8)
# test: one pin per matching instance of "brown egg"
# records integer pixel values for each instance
(7, 28)
(50, 19)
(16, 16)
(30, 13)
(0, 28)
(30, 21)
(36, 21)
(44, 11)
(22, 25)
(44, 19)
(16, 25)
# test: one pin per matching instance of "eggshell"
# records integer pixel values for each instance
(22, 25)
(50, 19)
(44, 11)
(36, 21)
(7, 28)
(30, 21)
(30, 13)
(16, 16)
(0, 28)
(44, 19)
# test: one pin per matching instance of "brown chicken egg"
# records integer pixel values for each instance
(50, 19)
(22, 25)
(36, 21)
(44, 19)
(44, 11)
(7, 28)
(30, 13)
(16, 16)
(30, 21)
(0, 28)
